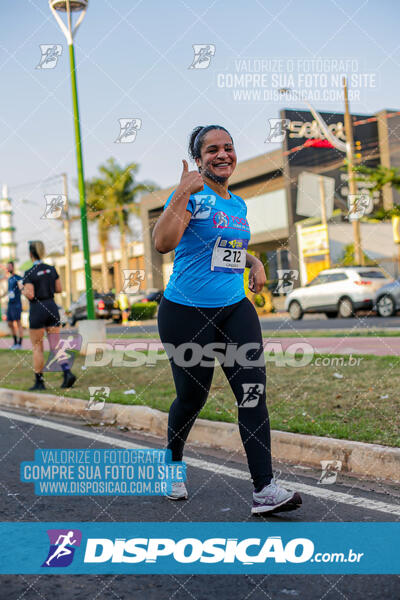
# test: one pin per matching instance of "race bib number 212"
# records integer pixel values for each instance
(229, 256)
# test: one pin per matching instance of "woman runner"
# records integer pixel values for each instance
(39, 285)
(205, 303)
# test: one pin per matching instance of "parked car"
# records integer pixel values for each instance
(105, 307)
(135, 298)
(337, 292)
(63, 316)
(387, 299)
(153, 296)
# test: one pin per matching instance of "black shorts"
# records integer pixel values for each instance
(14, 312)
(43, 313)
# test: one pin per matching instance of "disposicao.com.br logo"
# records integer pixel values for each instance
(213, 550)
(202, 547)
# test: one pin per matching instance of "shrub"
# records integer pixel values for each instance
(348, 258)
(143, 310)
(259, 300)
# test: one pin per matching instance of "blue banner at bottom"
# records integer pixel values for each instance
(207, 548)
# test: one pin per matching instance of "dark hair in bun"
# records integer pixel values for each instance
(197, 137)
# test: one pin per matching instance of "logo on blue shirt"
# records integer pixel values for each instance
(204, 203)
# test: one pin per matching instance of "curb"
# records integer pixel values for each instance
(358, 458)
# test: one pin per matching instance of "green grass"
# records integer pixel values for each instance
(309, 399)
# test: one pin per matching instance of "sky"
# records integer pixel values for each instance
(133, 62)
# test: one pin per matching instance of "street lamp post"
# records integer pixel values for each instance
(67, 243)
(77, 6)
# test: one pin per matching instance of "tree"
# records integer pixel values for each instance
(112, 198)
(380, 176)
(348, 258)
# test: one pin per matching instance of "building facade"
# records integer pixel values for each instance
(114, 272)
(269, 185)
(7, 241)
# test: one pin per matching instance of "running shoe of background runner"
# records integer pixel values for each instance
(274, 498)
(69, 379)
(178, 491)
(38, 385)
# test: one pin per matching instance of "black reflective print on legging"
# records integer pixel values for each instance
(237, 325)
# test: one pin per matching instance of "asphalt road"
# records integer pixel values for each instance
(362, 323)
(321, 322)
(213, 497)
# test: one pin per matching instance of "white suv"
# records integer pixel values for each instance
(337, 292)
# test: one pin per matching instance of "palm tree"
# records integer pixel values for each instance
(112, 198)
(98, 212)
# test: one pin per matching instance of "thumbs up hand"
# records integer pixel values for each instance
(191, 181)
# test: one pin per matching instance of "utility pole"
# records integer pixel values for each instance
(358, 253)
(67, 243)
(324, 220)
(322, 197)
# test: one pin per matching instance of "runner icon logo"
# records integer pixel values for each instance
(204, 203)
(55, 203)
(330, 470)
(202, 55)
(50, 55)
(63, 347)
(359, 205)
(98, 396)
(128, 130)
(286, 279)
(62, 547)
(132, 280)
(251, 394)
(277, 130)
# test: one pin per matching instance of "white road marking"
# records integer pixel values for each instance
(309, 490)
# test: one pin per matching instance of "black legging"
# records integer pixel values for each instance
(235, 324)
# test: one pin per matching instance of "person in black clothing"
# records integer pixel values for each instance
(39, 284)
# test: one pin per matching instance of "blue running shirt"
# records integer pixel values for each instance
(211, 256)
(14, 293)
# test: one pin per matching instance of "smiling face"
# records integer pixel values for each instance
(218, 156)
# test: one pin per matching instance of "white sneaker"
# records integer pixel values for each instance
(178, 491)
(274, 498)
